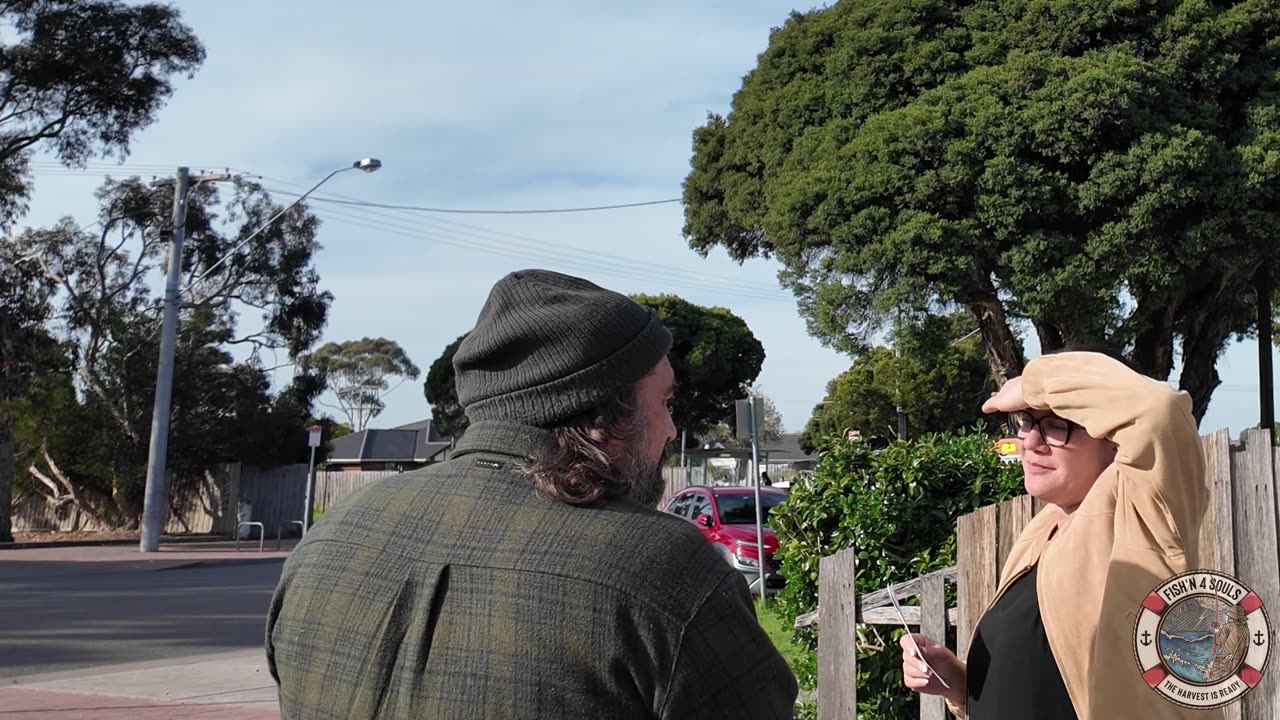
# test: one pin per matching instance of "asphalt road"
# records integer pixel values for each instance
(52, 620)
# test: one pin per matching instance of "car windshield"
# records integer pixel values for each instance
(741, 509)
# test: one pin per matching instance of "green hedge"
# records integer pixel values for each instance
(898, 507)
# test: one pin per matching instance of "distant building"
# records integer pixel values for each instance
(404, 448)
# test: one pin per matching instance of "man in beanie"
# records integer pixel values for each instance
(530, 575)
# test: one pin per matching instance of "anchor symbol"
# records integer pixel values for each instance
(1146, 638)
(1258, 639)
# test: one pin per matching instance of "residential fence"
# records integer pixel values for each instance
(1238, 537)
(213, 504)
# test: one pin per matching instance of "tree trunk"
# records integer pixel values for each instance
(1207, 322)
(1001, 345)
(8, 471)
(1199, 372)
(77, 494)
(1153, 346)
(1050, 336)
(128, 517)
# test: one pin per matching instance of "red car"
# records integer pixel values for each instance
(727, 517)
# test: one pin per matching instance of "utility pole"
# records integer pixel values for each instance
(1266, 382)
(897, 379)
(755, 471)
(155, 508)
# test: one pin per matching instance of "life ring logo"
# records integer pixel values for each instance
(1202, 639)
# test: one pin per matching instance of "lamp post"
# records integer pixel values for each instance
(155, 503)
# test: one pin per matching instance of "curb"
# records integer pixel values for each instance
(103, 543)
(228, 562)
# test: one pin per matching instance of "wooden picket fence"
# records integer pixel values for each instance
(1238, 537)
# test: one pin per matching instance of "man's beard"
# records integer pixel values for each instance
(644, 478)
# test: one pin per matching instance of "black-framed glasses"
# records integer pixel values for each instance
(1054, 431)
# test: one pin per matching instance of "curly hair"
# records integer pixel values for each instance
(576, 468)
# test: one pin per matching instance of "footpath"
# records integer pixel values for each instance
(228, 686)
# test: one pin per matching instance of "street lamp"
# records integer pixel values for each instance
(155, 505)
(368, 165)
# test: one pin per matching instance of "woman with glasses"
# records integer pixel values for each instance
(1116, 457)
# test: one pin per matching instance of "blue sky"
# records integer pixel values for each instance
(492, 105)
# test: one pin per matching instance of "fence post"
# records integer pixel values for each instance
(231, 516)
(1254, 499)
(933, 623)
(837, 636)
(977, 570)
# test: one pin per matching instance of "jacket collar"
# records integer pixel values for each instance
(503, 437)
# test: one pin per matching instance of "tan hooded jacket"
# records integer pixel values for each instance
(1139, 525)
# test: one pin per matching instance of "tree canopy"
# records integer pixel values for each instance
(941, 379)
(1104, 171)
(715, 356)
(222, 410)
(78, 78)
(359, 373)
(72, 449)
(442, 393)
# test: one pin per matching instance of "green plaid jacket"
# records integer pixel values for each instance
(456, 592)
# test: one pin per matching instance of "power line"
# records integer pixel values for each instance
(51, 168)
(407, 221)
(456, 211)
(490, 246)
(701, 279)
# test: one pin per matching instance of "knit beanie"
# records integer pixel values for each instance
(549, 347)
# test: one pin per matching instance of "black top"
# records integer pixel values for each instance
(1012, 674)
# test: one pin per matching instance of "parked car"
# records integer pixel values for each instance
(727, 517)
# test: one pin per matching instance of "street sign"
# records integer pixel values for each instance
(313, 439)
(742, 417)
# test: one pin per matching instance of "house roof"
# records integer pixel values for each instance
(787, 449)
(415, 442)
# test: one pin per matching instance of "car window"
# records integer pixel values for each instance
(741, 509)
(701, 506)
(680, 506)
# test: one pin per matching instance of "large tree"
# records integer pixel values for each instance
(1105, 171)
(73, 452)
(105, 275)
(442, 393)
(359, 374)
(935, 369)
(25, 351)
(715, 356)
(78, 78)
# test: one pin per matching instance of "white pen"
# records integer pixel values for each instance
(919, 653)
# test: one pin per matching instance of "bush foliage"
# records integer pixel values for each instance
(898, 506)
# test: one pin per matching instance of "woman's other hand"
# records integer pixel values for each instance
(918, 678)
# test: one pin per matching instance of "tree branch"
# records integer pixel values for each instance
(91, 379)
(58, 496)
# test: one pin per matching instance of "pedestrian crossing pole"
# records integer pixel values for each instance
(749, 414)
